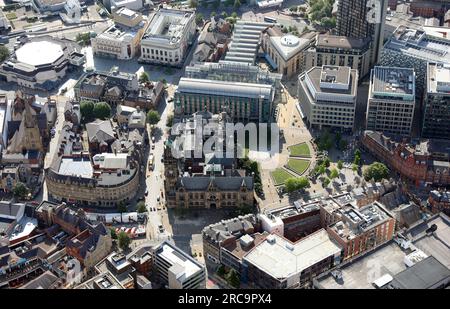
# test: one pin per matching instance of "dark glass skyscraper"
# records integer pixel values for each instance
(361, 19)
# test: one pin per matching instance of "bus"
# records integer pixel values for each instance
(151, 162)
(270, 19)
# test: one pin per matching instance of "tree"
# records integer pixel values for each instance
(153, 117)
(213, 13)
(340, 164)
(293, 184)
(293, 8)
(233, 278)
(83, 39)
(87, 110)
(199, 18)
(284, 30)
(321, 169)
(141, 207)
(221, 270)
(237, 4)
(113, 233)
(4, 53)
(193, 3)
(20, 190)
(144, 78)
(334, 173)
(376, 171)
(169, 121)
(224, 14)
(124, 240)
(357, 159)
(121, 207)
(354, 167)
(102, 110)
(342, 144)
(234, 15)
(326, 182)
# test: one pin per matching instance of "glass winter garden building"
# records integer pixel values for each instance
(242, 90)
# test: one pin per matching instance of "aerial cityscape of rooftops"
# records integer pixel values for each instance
(225, 144)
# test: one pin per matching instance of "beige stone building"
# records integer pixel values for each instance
(286, 52)
(340, 51)
(75, 179)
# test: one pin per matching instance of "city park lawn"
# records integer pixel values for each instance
(300, 150)
(297, 165)
(279, 176)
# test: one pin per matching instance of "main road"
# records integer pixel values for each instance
(154, 180)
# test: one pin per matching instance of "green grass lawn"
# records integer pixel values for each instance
(279, 176)
(11, 16)
(298, 166)
(300, 150)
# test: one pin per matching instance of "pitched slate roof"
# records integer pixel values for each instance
(100, 131)
(233, 183)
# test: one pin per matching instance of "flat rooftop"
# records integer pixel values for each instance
(224, 88)
(360, 273)
(438, 78)
(39, 53)
(393, 82)
(331, 83)
(435, 244)
(418, 44)
(281, 259)
(178, 258)
(343, 42)
(422, 275)
(76, 167)
(121, 33)
(168, 24)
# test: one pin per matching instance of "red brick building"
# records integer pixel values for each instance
(363, 229)
(417, 163)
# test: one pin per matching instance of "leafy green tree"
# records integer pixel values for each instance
(233, 278)
(141, 207)
(293, 184)
(321, 169)
(169, 121)
(121, 207)
(221, 271)
(354, 167)
(20, 190)
(376, 171)
(342, 144)
(153, 117)
(234, 15)
(144, 77)
(193, 3)
(224, 14)
(4, 53)
(87, 110)
(334, 173)
(123, 240)
(340, 164)
(102, 110)
(199, 18)
(113, 233)
(326, 182)
(213, 13)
